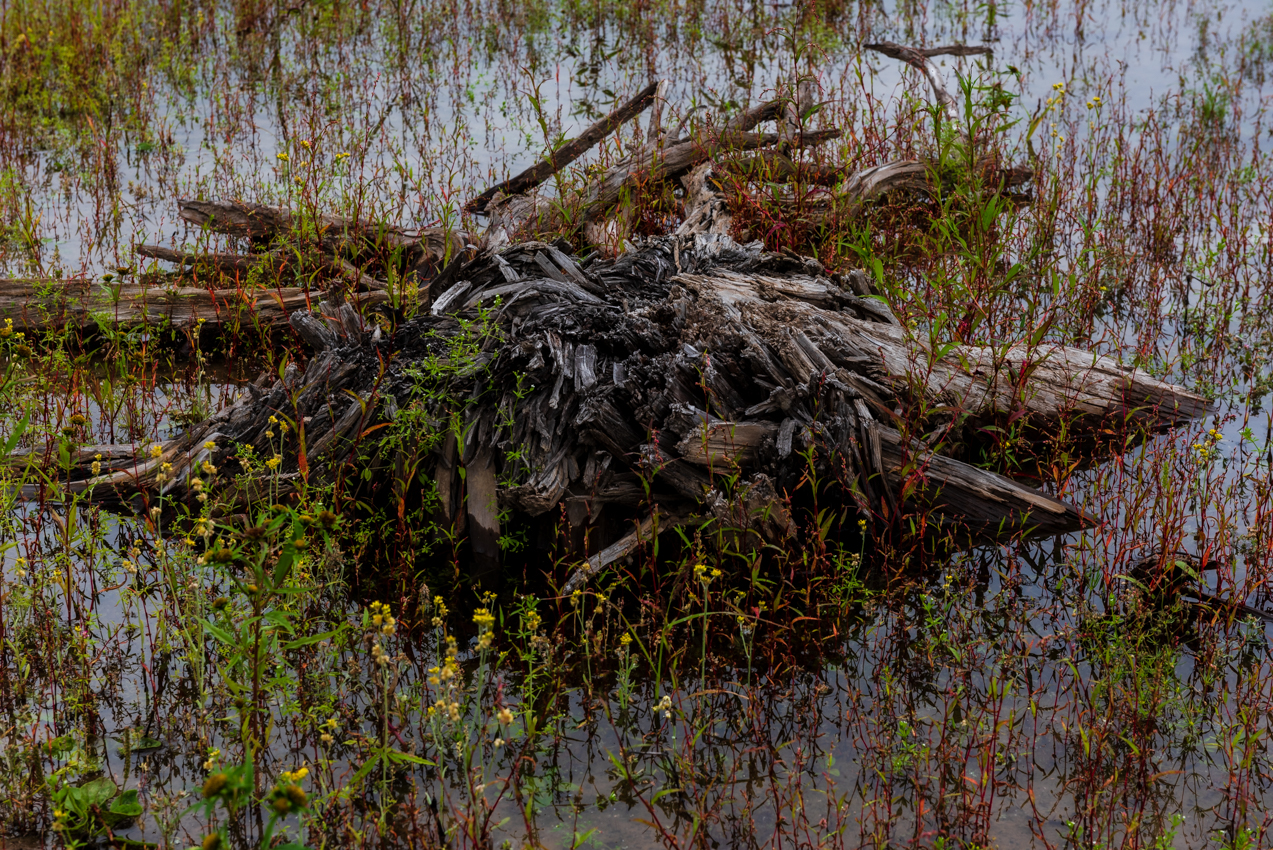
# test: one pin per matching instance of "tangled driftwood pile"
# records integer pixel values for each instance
(688, 379)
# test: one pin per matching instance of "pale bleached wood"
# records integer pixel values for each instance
(54, 304)
(1060, 381)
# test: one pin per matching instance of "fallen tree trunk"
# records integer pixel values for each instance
(695, 377)
(692, 380)
(46, 305)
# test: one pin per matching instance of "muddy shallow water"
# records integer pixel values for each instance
(987, 700)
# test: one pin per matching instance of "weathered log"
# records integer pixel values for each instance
(57, 304)
(482, 500)
(272, 264)
(680, 157)
(228, 264)
(337, 236)
(693, 379)
(646, 530)
(516, 207)
(699, 362)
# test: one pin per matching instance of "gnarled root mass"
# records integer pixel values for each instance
(689, 380)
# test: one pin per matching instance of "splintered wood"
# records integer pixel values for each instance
(687, 378)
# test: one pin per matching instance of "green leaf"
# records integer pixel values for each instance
(281, 619)
(397, 756)
(665, 792)
(126, 805)
(1187, 568)
(12, 442)
(140, 743)
(312, 639)
(284, 564)
(219, 633)
(95, 792)
(367, 767)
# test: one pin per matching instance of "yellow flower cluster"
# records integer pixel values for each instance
(1054, 103)
(292, 777)
(1207, 449)
(275, 421)
(704, 575)
(7, 331)
(449, 709)
(440, 612)
(447, 676)
(287, 795)
(382, 620)
(485, 622)
(450, 668)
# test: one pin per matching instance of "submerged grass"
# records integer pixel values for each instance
(187, 677)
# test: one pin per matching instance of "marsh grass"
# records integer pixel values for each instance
(867, 686)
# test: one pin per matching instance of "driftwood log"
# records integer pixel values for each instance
(693, 379)
(690, 379)
(45, 306)
(302, 261)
